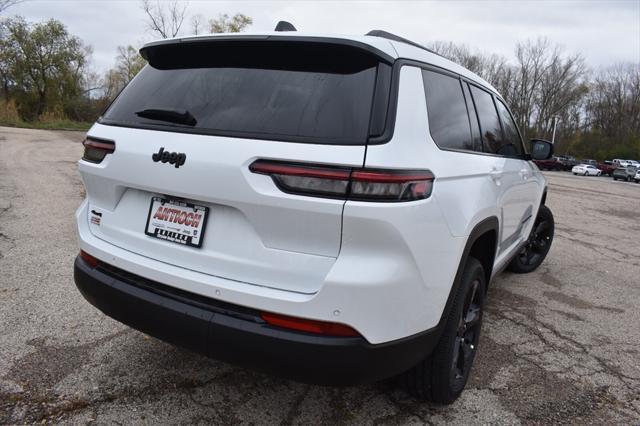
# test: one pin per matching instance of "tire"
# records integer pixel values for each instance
(533, 254)
(439, 378)
(575, 174)
(615, 178)
(628, 179)
(586, 173)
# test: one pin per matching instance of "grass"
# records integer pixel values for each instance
(48, 125)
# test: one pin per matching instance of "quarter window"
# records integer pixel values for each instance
(447, 111)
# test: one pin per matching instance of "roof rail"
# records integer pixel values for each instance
(285, 26)
(390, 36)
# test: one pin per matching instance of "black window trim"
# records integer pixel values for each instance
(464, 83)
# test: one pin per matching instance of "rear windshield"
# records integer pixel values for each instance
(288, 96)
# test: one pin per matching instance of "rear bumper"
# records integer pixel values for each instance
(239, 336)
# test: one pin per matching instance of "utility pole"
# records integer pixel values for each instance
(555, 120)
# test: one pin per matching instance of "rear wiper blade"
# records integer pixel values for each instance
(170, 115)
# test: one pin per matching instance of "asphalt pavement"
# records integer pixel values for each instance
(560, 345)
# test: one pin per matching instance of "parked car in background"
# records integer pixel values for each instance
(633, 163)
(620, 163)
(625, 173)
(637, 177)
(588, 161)
(586, 170)
(550, 164)
(607, 167)
(568, 161)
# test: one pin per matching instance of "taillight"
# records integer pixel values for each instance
(90, 260)
(347, 183)
(302, 179)
(96, 149)
(309, 326)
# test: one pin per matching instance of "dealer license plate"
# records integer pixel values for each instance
(177, 221)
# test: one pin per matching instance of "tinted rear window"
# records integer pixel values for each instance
(287, 95)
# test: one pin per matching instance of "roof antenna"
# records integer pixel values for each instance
(285, 26)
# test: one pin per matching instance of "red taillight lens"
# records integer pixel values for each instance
(309, 326)
(96, 149)
(90, 260)
(347, 183)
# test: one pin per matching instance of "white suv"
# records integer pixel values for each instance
(331, 209)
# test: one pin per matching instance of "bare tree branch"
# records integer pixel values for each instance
(196, 23)
(5, 4)
(164, 19)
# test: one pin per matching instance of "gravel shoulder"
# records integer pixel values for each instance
(559, 345)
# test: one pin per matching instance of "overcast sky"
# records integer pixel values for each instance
(603, 31)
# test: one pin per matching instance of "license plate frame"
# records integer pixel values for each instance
(169, 220)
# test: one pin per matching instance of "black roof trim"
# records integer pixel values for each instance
(390, 36)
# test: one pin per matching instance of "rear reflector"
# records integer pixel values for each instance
(96, 149)
(309, 326)
(89, 260)
(347, 183)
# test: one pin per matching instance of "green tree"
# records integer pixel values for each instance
(226, 24)
(44, 65)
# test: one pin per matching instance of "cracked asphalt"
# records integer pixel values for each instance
(560, 345)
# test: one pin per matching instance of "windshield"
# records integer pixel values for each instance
(290, 98)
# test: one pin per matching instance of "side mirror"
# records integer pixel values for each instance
(541, 149)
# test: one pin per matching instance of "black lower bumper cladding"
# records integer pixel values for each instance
(239, 336)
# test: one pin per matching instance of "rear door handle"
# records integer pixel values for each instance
(495, 175)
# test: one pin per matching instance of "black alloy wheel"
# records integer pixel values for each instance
(443, 374)
(537, 246)
(467, 337)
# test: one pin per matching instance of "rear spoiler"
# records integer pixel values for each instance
(240, 49)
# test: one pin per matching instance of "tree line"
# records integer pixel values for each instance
(45, 73)
(595, 114)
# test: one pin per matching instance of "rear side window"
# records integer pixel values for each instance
(270, 92)
(489, 121)
(447, 111)
(511, 135)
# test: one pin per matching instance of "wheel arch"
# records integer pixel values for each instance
(481, 244)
